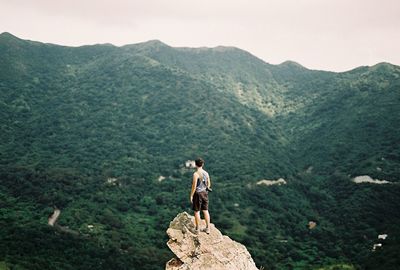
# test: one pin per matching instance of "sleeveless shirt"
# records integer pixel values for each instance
(202, 181)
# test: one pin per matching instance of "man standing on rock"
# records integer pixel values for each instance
(199, 195)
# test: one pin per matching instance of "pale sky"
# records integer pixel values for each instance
(334, 35)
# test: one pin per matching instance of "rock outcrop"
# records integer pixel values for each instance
(53, 218)
(203, 251)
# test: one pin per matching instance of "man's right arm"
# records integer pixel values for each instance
(194, 181)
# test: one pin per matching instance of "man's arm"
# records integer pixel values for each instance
(194, 182)
(209, 182)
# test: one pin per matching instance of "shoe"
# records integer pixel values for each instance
(206, 230)
(197, 230)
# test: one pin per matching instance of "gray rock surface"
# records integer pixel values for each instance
(204, 251)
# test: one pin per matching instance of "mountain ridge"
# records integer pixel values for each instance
(222, 48)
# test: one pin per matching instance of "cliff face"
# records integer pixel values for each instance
(204, 251)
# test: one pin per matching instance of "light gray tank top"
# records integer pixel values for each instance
(202, 181)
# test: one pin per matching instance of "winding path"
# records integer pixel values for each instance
(54, 217)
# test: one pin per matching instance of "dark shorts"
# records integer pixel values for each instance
(200, 201)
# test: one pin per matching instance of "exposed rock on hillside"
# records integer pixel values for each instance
(278, 182)
(204, 251)
(368, 179)
(53, 218)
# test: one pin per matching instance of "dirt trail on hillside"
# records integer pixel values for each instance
(54, 217)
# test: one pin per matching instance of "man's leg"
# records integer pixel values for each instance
(197, 219)
(207, 218)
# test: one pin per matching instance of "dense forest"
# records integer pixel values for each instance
(102, 133)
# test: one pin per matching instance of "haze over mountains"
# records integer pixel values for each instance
(74, 117)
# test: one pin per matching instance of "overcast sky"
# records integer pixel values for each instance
(335, 35)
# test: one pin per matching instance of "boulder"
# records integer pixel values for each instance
(204, 251)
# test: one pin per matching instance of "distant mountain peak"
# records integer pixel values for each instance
(7, 35)
(151, 43)
(382, 64)
(225, 48)
(155, 42)
(290, 63)
(10, 40)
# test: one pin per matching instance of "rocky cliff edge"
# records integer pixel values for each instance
(204, 251)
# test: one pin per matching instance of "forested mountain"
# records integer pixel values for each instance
(103, 132)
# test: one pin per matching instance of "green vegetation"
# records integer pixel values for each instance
(90, 130)
(338, 267)
(3, 266)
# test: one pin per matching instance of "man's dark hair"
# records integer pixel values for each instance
(199, 162)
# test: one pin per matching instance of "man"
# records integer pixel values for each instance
(201, 183)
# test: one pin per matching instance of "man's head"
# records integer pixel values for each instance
(199, 162)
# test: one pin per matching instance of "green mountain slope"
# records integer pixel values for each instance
(154, 111)
(92, 129)
(349, 123)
